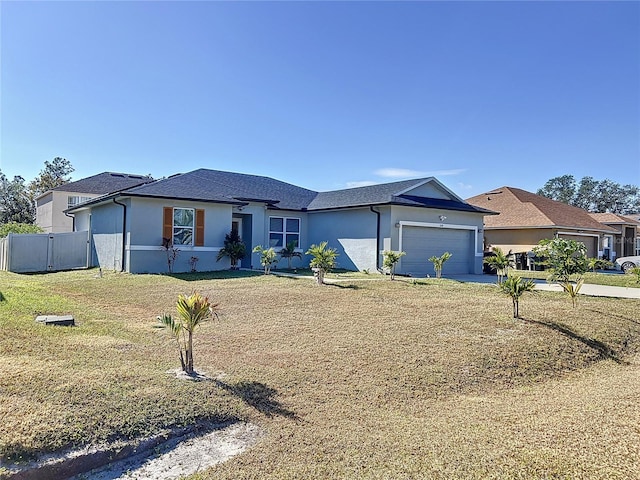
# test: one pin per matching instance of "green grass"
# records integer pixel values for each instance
(362, 379)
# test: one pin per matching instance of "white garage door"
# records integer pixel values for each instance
(420, 243)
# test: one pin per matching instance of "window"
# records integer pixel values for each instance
(183, 226)
(73, 200)
(283, 231)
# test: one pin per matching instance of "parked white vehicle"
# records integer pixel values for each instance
(627, 263)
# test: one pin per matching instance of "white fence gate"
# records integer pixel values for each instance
(44, 252)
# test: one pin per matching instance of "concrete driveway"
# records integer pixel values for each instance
(587, 289)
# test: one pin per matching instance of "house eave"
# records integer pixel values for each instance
(548, 227)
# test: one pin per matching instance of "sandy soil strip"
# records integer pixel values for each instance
(181, 456)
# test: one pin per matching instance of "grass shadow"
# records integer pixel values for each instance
(604, 350)
(215, 275)
(349, 286)
(259, 396)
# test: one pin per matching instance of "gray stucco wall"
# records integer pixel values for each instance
(144, 242)
(352, 232)
(261, 236)
(106, 234)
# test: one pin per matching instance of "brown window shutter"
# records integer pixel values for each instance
(167, 225)
(199, 228)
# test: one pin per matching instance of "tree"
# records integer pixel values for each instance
(514, 286)
(560, 188)
(390, 259)
(55, 173)
(267, 257)
(564, 258)
(593, 195)
(15, 204)
(289, 252)
(13, 227)
(500, 262)
(192, 311)
(438, 262)
(233, 247)
(323, 261)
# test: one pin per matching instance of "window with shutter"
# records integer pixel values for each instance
(183, 226)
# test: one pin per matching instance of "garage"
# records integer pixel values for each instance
(422, 242)
(590, 241)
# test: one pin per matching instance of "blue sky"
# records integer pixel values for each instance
(325, 95)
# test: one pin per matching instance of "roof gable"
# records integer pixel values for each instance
(521, 209)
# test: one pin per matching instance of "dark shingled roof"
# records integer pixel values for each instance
(387, 193)
(227, 187)
(105, 183)
(238, 188)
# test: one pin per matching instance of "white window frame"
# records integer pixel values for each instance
(284, 232)
(73, 200)
(192, 227)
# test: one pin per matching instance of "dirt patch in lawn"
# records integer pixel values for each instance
(182, 456)
(169, 455)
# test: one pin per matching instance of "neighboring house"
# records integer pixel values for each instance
(636, 217)
(50, 206)
(196, 210)
(626, 241)
(526, 218)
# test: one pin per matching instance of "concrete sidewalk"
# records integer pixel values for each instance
(587, 289)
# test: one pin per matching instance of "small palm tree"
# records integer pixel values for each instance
(323, 261)
(192, 311)
(438, 262)
(267, 257)
(514, 286)
(500, 262)
(234, 248)
(572, 289)
(290, 252)
(390, 260)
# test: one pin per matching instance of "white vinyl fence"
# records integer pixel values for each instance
(44, 252)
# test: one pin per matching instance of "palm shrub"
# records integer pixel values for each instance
(572, 289)
(514, 286)
(289, 252)
(192, 311)
(438, 262)
(390, 260)
(233, 247)
(323, 260)
(500, 261)
(598, 264)
(268, 257)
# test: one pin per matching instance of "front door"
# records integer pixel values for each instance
(236, 226)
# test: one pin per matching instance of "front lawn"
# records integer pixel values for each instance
(361, 379)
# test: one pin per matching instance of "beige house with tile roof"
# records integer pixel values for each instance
(526, 218)
(624, 243)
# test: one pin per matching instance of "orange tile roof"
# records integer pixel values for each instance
(521, 209)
